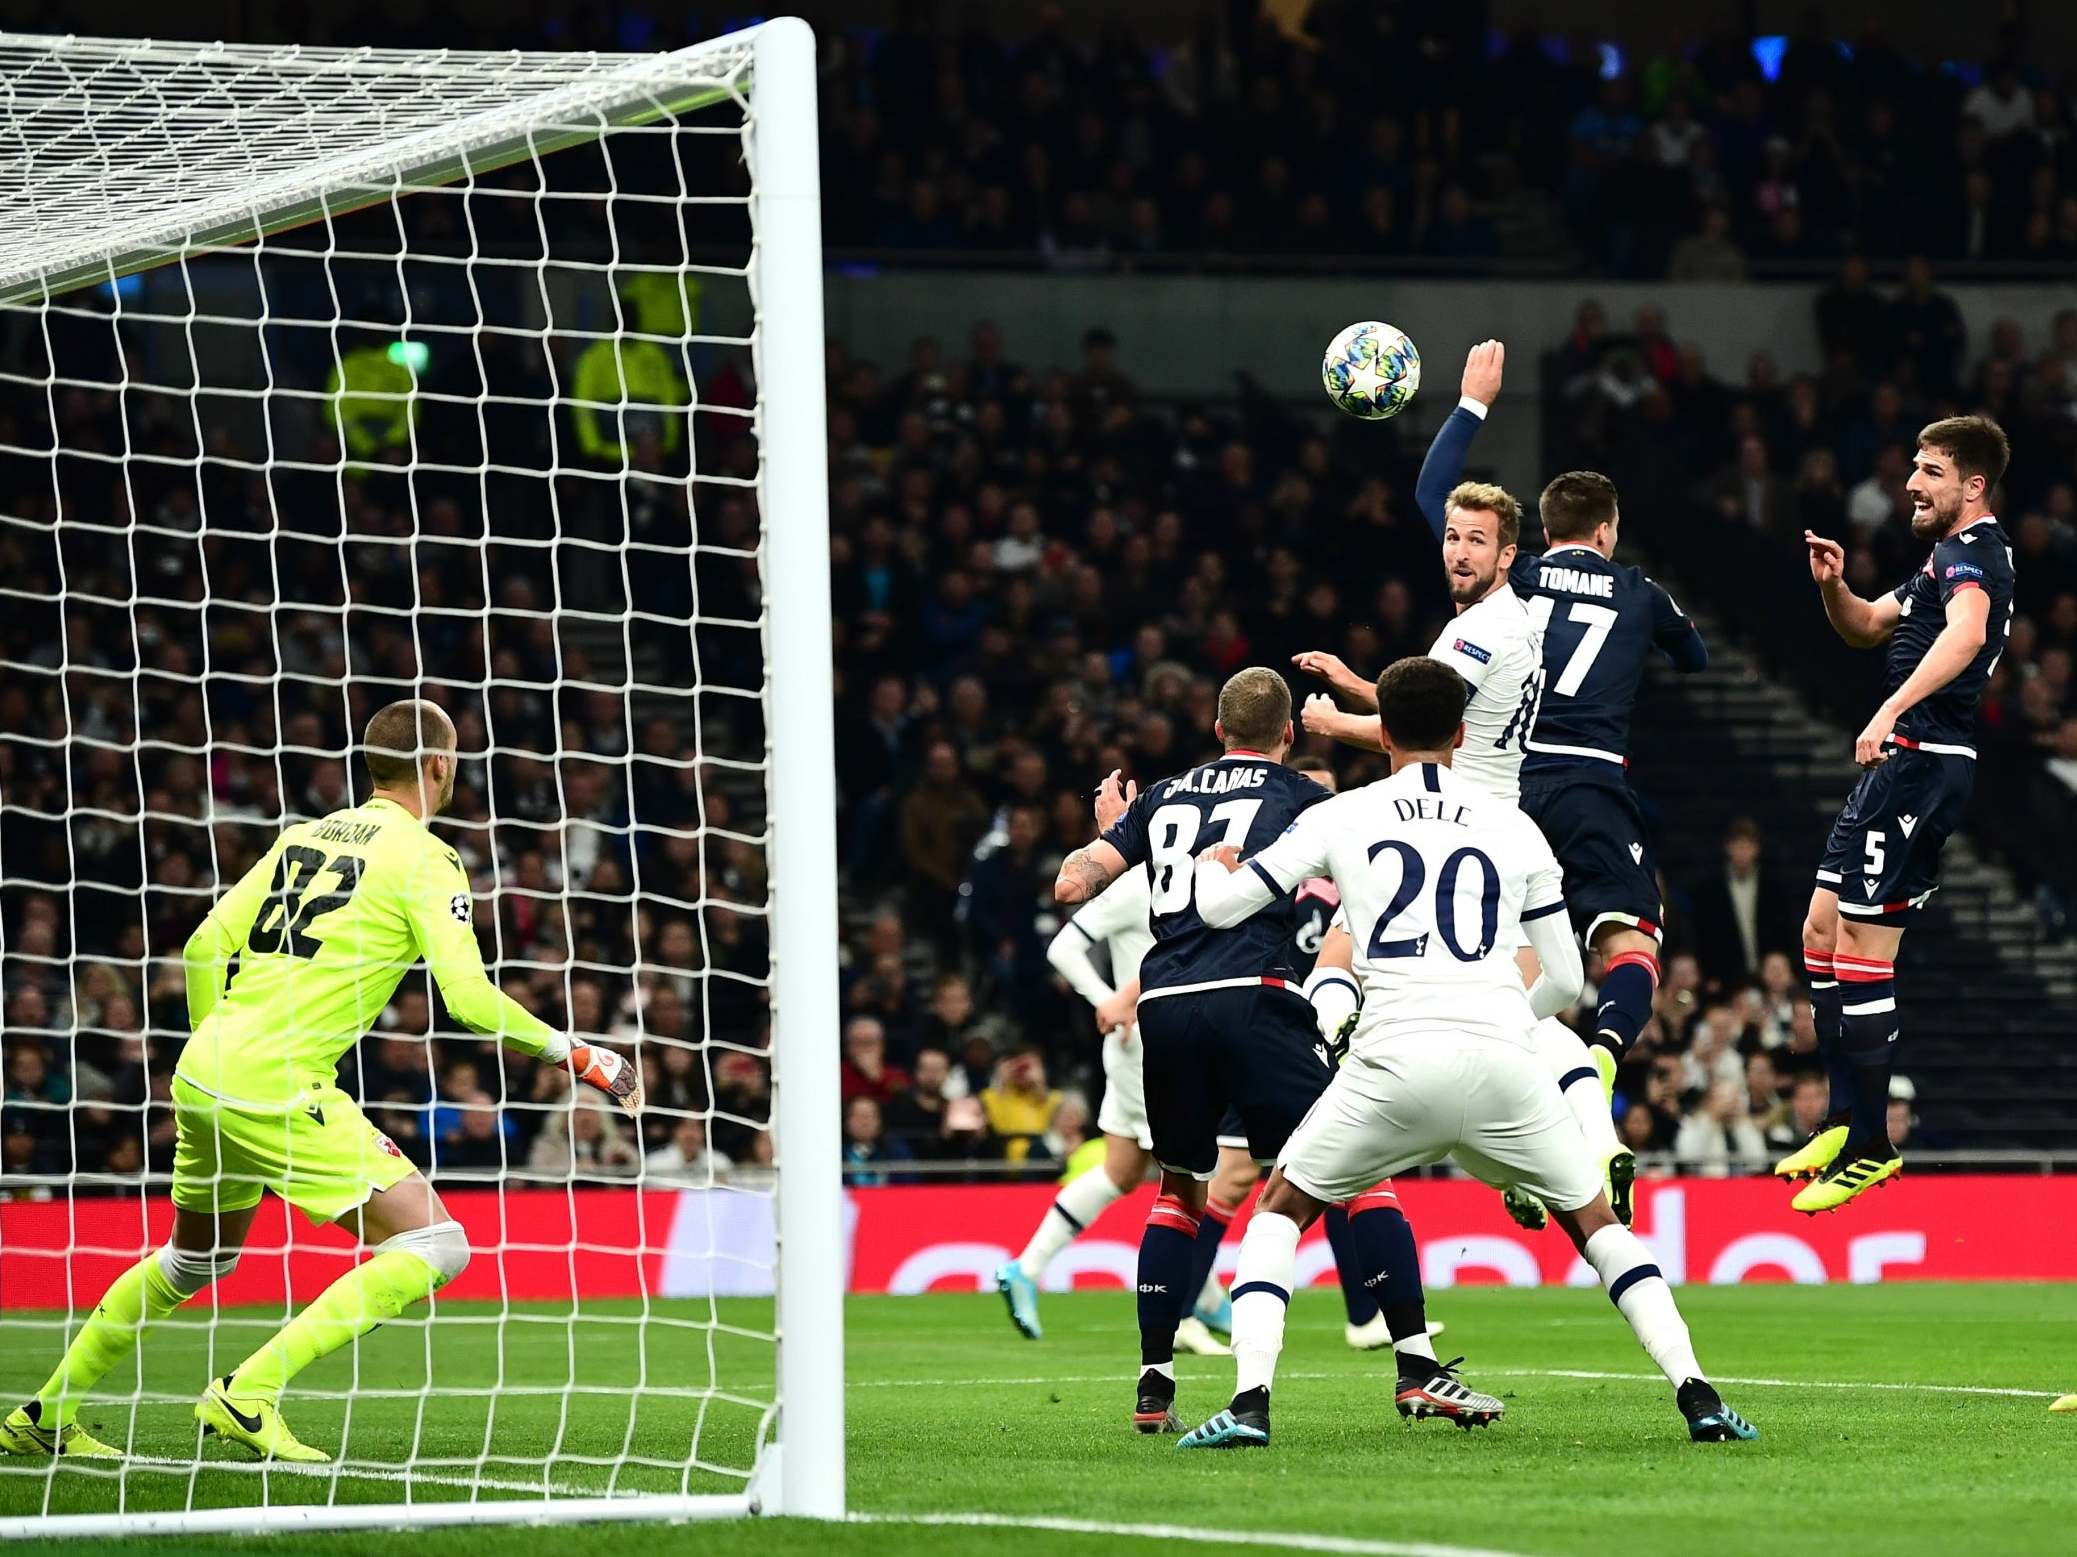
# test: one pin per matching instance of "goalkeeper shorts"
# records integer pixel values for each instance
(323, 1156)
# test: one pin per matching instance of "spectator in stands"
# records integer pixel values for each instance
(867, 1147)
(688, 1159)
(1709, 253)
(585, 1141)
(1742, 912)
(941, 819)
(1809, 1100)
(866, 1072)
(1018, 1103)
(1718, 1135)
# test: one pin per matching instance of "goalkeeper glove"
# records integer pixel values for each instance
(612, 1073)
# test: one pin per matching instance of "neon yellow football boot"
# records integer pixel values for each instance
(22, 1432)
(1851, 1176)
(1814, 1155)
(257, 1424)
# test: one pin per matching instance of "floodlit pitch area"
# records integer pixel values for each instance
(1894, 1414)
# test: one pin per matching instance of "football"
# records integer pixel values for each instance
(1371, 370)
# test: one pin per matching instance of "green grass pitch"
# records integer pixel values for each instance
(951, 1413)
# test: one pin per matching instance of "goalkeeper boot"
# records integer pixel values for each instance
(1524, 1209)
(1441, 1394)
(257, 1424)
(1194, 1337)
(1155, 1409)
(22, 1432)
(1619, 1176)
(1859, 1167)
(1709, 1419)
(1020, 1293)
(1242, 1425)
(1815, 1154)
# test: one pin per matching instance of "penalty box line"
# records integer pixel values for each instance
(1282, 1540)
(1523, 1373)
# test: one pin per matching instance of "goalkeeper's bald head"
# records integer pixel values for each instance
(409, 748)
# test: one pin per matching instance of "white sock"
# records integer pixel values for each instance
(1415, 1346)
(1077, 1205)
(1565, 1054)
(1625, 1267)
(1261, 1294)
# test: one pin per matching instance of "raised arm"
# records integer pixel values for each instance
(1320, 716)
(1121, 820)
(1444, 466)
(1861, 623)
(1675, 634)
(1087, 872)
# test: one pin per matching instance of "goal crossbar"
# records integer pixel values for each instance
(106, 218)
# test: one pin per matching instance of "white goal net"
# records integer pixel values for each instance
(330, 377)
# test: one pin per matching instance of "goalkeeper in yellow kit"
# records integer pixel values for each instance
(323, 929)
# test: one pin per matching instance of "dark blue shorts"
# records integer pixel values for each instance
(1254, 1049)
(1883, 857)
(1594, 827)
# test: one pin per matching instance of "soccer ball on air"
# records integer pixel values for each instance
(1371, 370)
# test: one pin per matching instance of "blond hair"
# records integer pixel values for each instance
(1493, 499)
(1254, 708)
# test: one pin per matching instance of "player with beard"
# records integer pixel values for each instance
(1496, 648)
(1945, 627)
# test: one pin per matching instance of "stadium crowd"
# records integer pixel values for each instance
(1019, 607)
(1262, 134)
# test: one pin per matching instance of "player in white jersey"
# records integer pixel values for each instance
(1495, 646)
(1439, 875)
(1117, 919)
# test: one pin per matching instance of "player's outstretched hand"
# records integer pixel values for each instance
(1827, 558)
(612, 1073)
(1482, 368)
(1226, 854)
(1113, 795)
(1329, 668)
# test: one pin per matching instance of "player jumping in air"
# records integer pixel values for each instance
(1496, 645)
(1600, 622)
(323, 929)
(1945, 627)
(1439, 875)
(1222, 1022)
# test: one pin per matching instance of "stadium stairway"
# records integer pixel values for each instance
(1986, 994)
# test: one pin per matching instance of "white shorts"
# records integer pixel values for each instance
(1124, 1110)
(1489, 1103)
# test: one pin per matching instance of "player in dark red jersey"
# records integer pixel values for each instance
(1945, 627)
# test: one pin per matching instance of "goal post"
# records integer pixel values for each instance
(343, 374)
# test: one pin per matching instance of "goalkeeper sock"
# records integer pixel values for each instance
(1824, 1014)
(1566, 1057)
(1355, 1297)
(1211, 1230)
(1074, 1208)
(1627, 987)
(1639, 1291)
(1261, 1298)
(140, 1296)
(402, 1270)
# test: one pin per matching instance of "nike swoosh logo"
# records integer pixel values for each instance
(250, 1423)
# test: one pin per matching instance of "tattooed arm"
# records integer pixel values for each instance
(1087, 872)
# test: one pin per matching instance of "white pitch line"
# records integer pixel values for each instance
(1296, 1541)
(398, 1476)
(1517, 1373)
